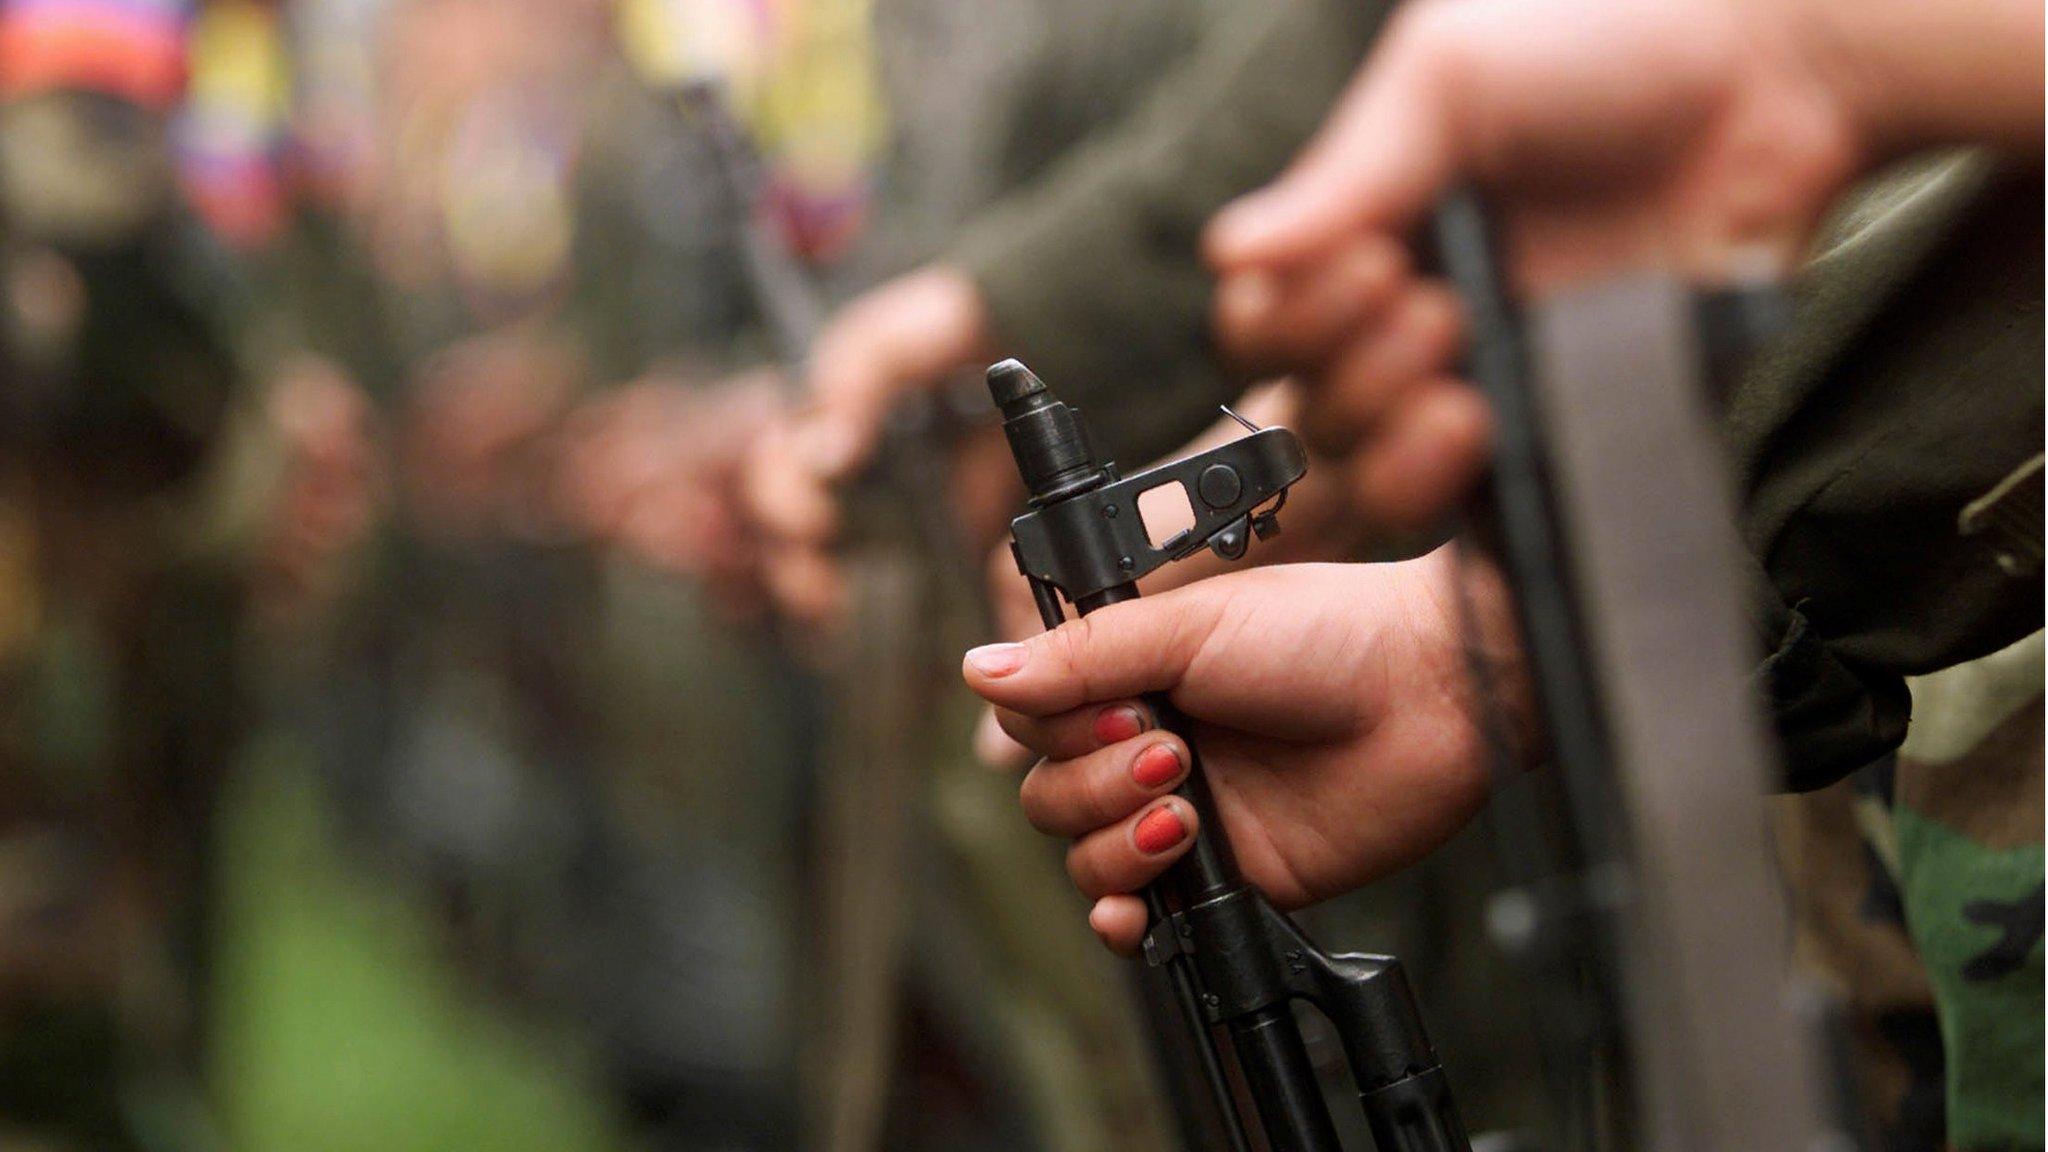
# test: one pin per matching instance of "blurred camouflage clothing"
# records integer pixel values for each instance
(120, 591)
(1919, 890)
(565, 756)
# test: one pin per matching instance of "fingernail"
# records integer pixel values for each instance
(1100, 935)
(996, 660)
(1159, 830)
(1115, 725)
(1156, 766)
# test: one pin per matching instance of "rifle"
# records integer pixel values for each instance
(1654, 931)
(1609, 513)
(859, 829)
(1234, 963)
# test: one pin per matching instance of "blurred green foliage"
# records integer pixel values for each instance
(342, 1023)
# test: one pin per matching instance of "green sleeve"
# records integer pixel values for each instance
(1091, 273)
(1883, 458)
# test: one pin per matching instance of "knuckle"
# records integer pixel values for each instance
(1032, 798)
(1085, 871)
(1068, 646)
(1099, 801)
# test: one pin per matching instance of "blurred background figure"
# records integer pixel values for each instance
(521, 843)
(127, 564)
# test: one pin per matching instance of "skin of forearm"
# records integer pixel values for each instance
(1915, 75)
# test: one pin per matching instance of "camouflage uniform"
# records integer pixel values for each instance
(1920, 876)
(565, 755)
(120, 591)
(639, 758)
(1918, 883)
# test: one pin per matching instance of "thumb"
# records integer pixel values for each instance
(902, 338)
(1384, 155)
(1123, 650)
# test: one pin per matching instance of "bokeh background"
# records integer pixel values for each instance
(397, 748)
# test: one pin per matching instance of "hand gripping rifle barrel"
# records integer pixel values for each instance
(1234, 963)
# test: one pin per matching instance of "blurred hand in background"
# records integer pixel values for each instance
(654, 469)
(332, 488)
(909, 336)
(477, 432)
(1700, 139)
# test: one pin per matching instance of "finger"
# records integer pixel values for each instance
(1385, 154)
(1416, 343)
(807, 584)
(1270, 323)
(1127, 856)
(905, 336)
(1077, 733)
(1122, 651)
(996, 749)
(785, 493)
(1009, 594)
(1120, 921)
(1076, 797)
(1427, 457)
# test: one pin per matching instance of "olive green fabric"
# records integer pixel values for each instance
(1909, 393)
(1089, 273)
(987, 100)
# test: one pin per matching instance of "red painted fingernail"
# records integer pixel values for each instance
(995, 660)
(1159, 830)
(1115, 725)
(1156, 766)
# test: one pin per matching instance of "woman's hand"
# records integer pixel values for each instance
(1329, 703)
(1321, 524)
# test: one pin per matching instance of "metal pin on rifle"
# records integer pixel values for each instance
(1235, 964)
